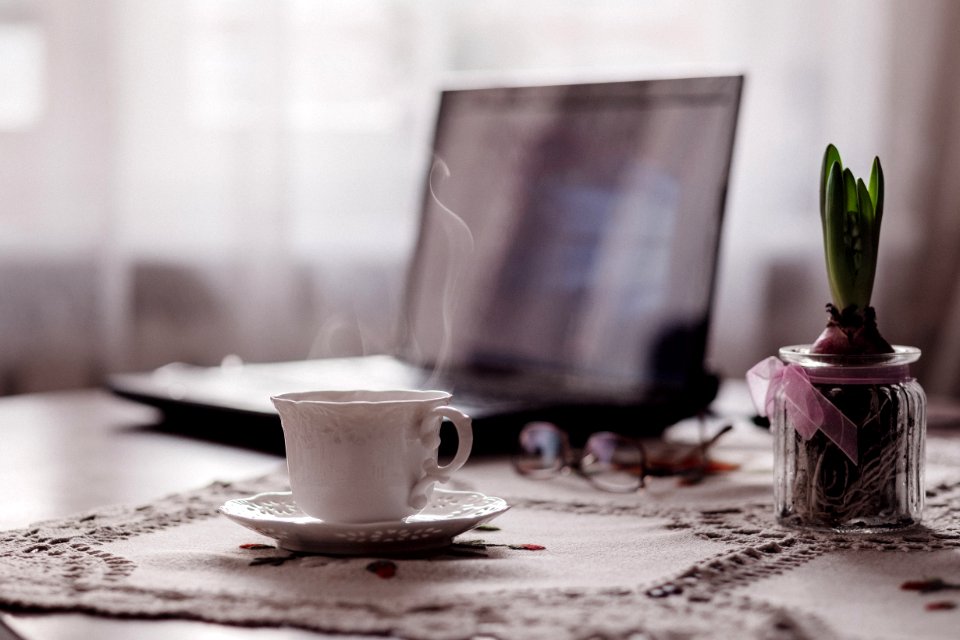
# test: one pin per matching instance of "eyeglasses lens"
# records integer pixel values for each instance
(543, 450)
(613, 463)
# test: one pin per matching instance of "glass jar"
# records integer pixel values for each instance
(849, 434)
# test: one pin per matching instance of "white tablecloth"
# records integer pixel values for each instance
(567, 561)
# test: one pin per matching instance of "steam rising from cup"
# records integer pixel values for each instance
(461, 244)
(349, 329)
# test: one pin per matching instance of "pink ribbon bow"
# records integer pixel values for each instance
(808, 410)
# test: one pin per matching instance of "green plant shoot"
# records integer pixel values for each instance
(850, 212)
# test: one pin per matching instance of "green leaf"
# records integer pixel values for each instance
(835, 210)
(830, 156)
(865, 248)
(865, 205)
(850, 186)
(876, 194)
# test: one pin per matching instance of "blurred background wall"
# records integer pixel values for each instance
(187, 179)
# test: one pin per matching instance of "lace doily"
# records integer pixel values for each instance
(568, 563)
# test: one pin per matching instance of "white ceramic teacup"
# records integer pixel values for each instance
(367, 456)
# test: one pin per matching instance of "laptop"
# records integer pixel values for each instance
(564, 270)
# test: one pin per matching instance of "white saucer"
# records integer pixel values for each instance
(448, 514)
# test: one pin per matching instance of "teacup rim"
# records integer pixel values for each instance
(371, 396)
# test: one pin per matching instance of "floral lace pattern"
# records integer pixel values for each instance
(485, 586)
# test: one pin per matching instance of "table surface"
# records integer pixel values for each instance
(68, 452)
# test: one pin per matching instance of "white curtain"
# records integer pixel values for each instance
(188, 179)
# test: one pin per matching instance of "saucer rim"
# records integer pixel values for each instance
(306, 534)
(304, 519)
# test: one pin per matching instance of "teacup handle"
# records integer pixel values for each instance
(430, 437)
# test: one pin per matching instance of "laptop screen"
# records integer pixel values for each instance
(572, 231)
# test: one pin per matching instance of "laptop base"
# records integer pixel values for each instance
(494, 434)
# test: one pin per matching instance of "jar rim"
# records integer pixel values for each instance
(800, 354)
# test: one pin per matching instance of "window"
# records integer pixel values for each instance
(22, 62)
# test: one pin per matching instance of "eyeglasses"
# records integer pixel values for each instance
(610, 461)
